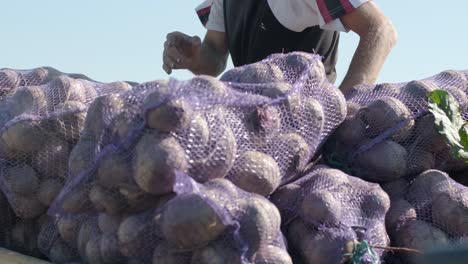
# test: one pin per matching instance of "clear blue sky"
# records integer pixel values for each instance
(111, 40)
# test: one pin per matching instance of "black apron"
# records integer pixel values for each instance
(253, 33)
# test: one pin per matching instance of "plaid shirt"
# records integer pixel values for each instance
(328, 10)
(334, 9)
(203, 11)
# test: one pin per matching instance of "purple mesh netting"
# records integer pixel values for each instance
(52, 245)
(389, 132)
(326, 210)
(259, 135)
(42, 112)
(214, 222)
(428, 212)
(178, 171)
(39, 125)
(11, 79)
(17, 234)
(258, 127)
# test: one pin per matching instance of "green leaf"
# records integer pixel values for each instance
(449, 122)
(464, 135)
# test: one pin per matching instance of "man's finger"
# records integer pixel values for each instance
(166, 44)
(179, 40)
(175, 62)
(169, 61)
(173, 34)
(196, 41)
(178, 59)
(172, 52)
(173, 41)
(167, 69)
(179, 63)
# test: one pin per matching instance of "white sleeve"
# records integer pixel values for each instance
(329, 18)
(216, 18)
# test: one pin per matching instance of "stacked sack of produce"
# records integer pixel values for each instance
(429, 211)
(41, 118)
(389, 132)
(11, 79)
(258, 127)
(332, 217)
(214, 222)
(216, 170)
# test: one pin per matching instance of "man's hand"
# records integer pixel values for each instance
(180, 51)
(377, 38)
(184, 52)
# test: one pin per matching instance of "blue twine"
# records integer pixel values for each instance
(360, 250)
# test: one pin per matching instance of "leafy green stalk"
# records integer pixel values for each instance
(449, 122)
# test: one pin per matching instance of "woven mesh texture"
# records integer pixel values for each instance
(214, 222)
(389, 132)
(39, 125)
(134, 141)
(20, 235)
(11, 79)
(53, 246)
(178, 171)
(326, 210)
(428, 212)
(258, 126)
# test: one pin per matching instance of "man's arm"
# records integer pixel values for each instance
(213, 55)
(377, 38)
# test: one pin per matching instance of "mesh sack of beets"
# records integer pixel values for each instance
(11, 79)
(58, 249)
(258, 132)
(213, 222)
(331, 217)
(390, 132)
(20, 235)
(426, 213)
(39, 126)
